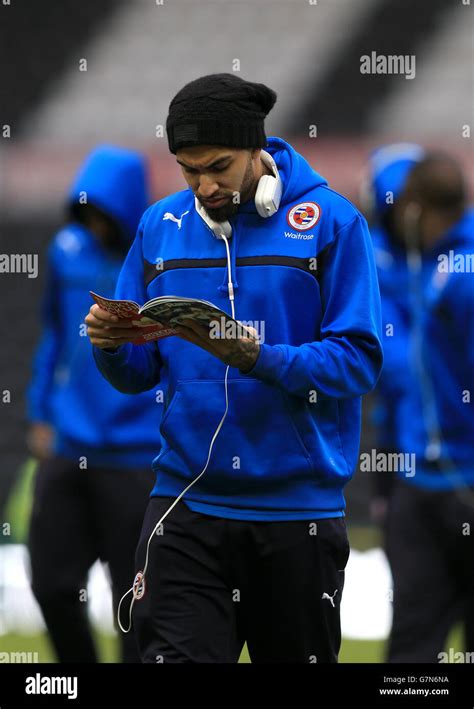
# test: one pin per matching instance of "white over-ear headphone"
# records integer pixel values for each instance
(269, 189)
(267, 199)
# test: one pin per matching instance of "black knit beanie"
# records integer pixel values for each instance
(219, 109)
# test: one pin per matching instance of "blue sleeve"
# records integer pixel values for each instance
(131, 369)
(458, 301)
(47, 352)
(395, 377)
(383, 418)
(347, 360)
(395, 338)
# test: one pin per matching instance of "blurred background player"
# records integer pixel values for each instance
(430, 298)
(94, 444)
(389, 167)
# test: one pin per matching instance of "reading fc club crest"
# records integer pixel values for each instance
(304, 216)
(139, 586)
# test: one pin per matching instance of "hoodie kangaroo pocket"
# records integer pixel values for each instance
(258, 443)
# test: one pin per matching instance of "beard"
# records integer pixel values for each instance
(230, 208)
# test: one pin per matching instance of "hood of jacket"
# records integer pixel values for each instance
(114, 180)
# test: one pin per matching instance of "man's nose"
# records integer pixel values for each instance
(207, 186)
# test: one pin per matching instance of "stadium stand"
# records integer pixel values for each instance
(445, 80)
(36, 41)
(145, 52)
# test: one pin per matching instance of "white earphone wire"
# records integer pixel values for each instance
(135, 589)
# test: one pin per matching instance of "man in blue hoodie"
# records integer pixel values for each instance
(258, 437)
(431, 511)
(94, 443)
(388, 170)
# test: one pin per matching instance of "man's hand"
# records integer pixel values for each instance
(40, 440)
(241, 352)
(106, 331)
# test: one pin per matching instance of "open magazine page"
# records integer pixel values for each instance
(159, 316)
(176, 311)
(128, 310)
(173, 310)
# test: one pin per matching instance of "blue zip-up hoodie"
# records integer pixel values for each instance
(89, 416)
(280, 455)
(389, 167)
(437, 405)
(394, 382)
(424, 317)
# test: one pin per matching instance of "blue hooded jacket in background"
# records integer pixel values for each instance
(290, 440)
(89, 416)
(428, 341)
(437, 411)
(389, 167)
